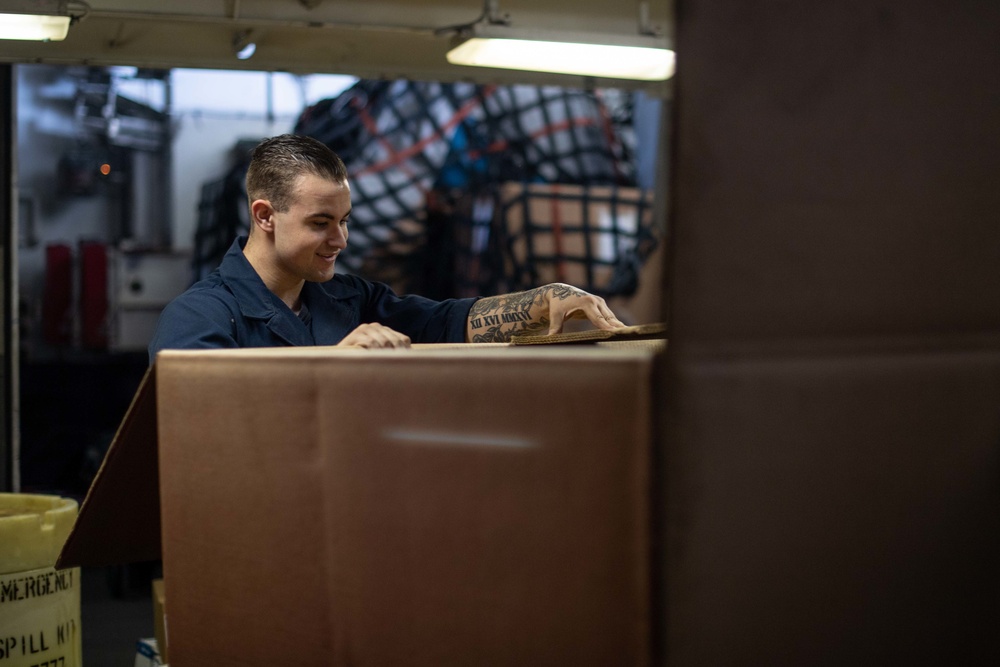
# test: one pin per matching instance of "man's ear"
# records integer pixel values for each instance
(262, 215)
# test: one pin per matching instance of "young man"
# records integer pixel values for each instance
(278, 286)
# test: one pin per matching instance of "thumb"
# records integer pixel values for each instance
(556, 325)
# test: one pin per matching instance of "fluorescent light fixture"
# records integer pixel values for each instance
(244, 45)
(37, 27)
(644, 58)
(247, 51)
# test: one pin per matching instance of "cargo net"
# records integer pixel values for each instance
(462, 189)
(222, 216)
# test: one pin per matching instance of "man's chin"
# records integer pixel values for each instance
(324, 276)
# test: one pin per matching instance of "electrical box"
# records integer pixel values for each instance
(141, 284)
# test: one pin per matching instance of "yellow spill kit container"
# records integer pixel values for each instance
(39, 605)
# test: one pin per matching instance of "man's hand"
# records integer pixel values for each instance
(373, 336)
(569, 303)
(542, 310)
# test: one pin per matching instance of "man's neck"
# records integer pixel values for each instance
(259, 254)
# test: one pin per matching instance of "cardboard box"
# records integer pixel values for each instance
(160, 619)
(834, 374)
(429, 507)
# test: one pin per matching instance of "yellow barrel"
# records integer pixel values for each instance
(39, 605)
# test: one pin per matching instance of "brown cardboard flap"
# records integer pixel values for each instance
(119, 521)
(637, 332)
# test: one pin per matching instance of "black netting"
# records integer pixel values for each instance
(437, 171)
(222, 216)
(594, 237)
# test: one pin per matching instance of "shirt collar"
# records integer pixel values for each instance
(255, 299)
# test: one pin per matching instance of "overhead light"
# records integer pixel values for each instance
(39, 20)
(243, 45)
(34, 27)
(639, 57)
(247, 51)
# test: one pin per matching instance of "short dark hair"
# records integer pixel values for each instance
(276, 163)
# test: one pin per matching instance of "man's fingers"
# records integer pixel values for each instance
(588, 307)
(610, 321)
(384, 337)
(556, 325)
(376, 336)
(602, 317)
(606, 321)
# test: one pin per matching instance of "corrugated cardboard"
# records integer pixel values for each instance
(638, 332)
(832, 456)
(422, 507)
(160, 620)
(119, 521)
(835, 507)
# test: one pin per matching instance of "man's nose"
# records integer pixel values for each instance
(337, 236)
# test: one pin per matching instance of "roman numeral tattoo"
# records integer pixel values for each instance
(496, 319)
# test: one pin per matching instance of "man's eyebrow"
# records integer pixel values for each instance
(329, 216)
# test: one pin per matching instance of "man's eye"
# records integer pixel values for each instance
(344, 222)
(320, 223)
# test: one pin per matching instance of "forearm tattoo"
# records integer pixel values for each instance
(496, 319)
